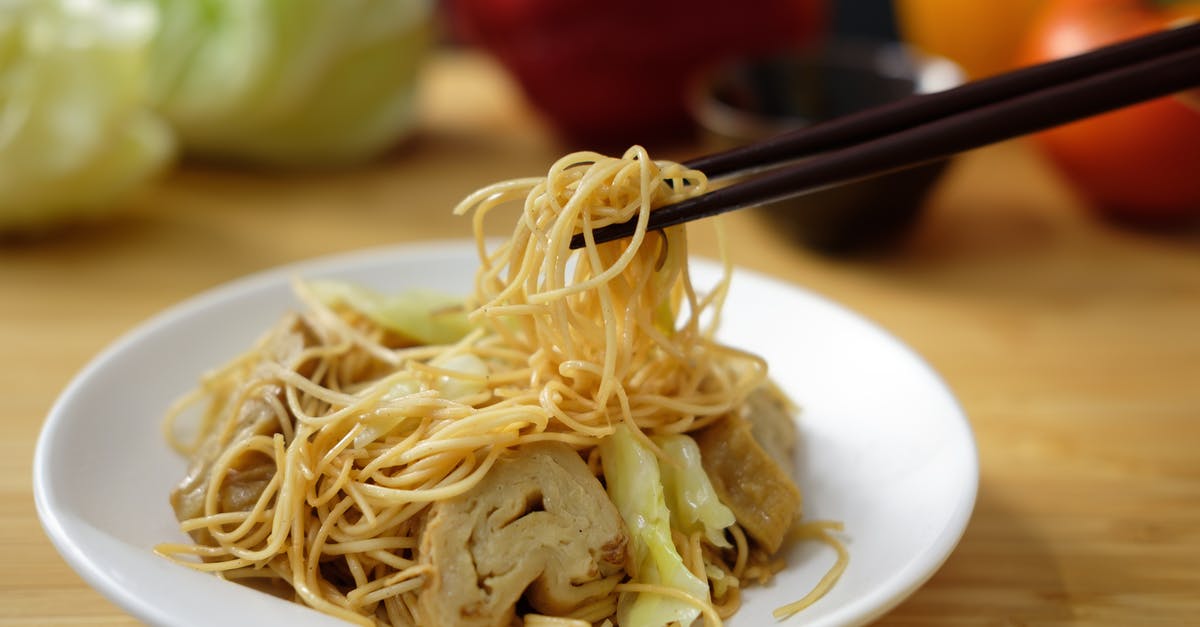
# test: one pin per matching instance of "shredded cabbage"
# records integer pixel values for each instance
(690, 495)
(75, 135)
(425, 316)
(455, 388)
(289, 82)
(631, 474)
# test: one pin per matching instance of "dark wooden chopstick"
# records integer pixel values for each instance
(902, 114)
(925, 128)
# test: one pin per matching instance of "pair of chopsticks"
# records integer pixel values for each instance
(925, 128)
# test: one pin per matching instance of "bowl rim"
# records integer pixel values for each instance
(933, 73)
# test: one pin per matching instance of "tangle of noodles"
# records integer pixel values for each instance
(356, 434)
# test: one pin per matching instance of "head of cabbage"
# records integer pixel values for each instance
(95, 94)
(289, 82)
(76, 133)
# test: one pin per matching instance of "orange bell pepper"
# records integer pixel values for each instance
(982, 36)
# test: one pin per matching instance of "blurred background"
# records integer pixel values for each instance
(151, 149)
(102, 99)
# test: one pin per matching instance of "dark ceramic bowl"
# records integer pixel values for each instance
(752, 99)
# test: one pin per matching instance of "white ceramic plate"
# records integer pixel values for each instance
(886, 448)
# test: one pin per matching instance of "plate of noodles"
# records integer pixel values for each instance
(499, 433)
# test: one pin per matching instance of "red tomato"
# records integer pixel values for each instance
(1140, 163)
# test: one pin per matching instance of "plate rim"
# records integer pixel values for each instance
(886, 596)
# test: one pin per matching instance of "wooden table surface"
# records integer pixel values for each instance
(1073, 345)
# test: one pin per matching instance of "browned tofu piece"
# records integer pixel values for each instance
(750, 482)
(538, 525)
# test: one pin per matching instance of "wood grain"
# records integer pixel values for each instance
(1072, 344)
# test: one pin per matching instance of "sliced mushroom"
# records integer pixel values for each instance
(772, 423)
(255, 415)
(749, 481)
(539, 525)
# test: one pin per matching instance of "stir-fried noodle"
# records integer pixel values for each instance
(322, 448)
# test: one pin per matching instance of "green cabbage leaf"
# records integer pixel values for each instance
(425, 316)
(631, 475)
(690, 495)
